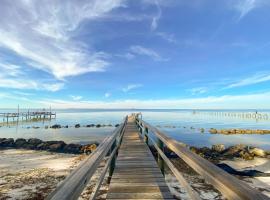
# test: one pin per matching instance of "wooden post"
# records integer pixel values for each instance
(112, 165)
(146, 135)
(160, 160)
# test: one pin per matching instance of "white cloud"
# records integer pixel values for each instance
(131, 87)
(198, 90)
(246, 6)
(42, 31)
(157, 17)
(140, 50)
(13, 76)
(166, 36)
(75, 98)
(248, 101)
(257, 78)
(29, 84)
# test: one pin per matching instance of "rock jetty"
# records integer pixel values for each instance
(238, 131)
(53, 146)
(220, 152)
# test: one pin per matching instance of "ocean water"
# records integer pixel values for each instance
(182, 125)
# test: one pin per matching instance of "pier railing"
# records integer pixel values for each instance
(74, 184)
(229, 186)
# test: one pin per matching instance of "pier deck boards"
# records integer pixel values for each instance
(136, 174)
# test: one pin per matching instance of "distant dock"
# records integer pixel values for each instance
(255, 115)
(28, 116)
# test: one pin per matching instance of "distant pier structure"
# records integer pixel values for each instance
(28, 115)
(254, 115)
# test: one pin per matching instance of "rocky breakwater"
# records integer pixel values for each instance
(238, 131)
(53, 146)
(58, 126)
(220, 152)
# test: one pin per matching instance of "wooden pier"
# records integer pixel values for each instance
(27, 116)
(136, 174)
(133, 173)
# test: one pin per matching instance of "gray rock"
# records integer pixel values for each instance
(43, 146)
(34, 141)
(7, 142)
(73, 148)
(218, 147)
(57, 146)
(257, 152)
(56, 126)
(20, 142)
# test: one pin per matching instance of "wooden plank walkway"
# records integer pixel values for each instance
(136, 174)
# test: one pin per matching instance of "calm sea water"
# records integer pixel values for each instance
(182, 125)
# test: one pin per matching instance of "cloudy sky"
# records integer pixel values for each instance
(135, 54)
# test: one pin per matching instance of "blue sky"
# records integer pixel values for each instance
(135, 54)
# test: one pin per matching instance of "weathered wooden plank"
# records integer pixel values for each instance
(158, 195)
(138, 189)
(137, 180)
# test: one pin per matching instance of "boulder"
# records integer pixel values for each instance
(89, 148)
(98, 126)
(43, 146)
(257, 152)
(34, 141)
(234, 150)
(213, 131)
(246, 155)
(77, 126)
(73, 148)
(56, 126)
(7, 142)
(218, 147)
(20, 142)
(90, 125)
(57, 146)
(116, 125)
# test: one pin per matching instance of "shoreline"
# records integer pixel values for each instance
(51, 146)
(36, 173)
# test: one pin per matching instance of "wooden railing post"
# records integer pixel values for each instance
(160, 144)
(112, 165)
(146, 140)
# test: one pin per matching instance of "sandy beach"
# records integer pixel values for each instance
(260, 164)
(28, 174)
